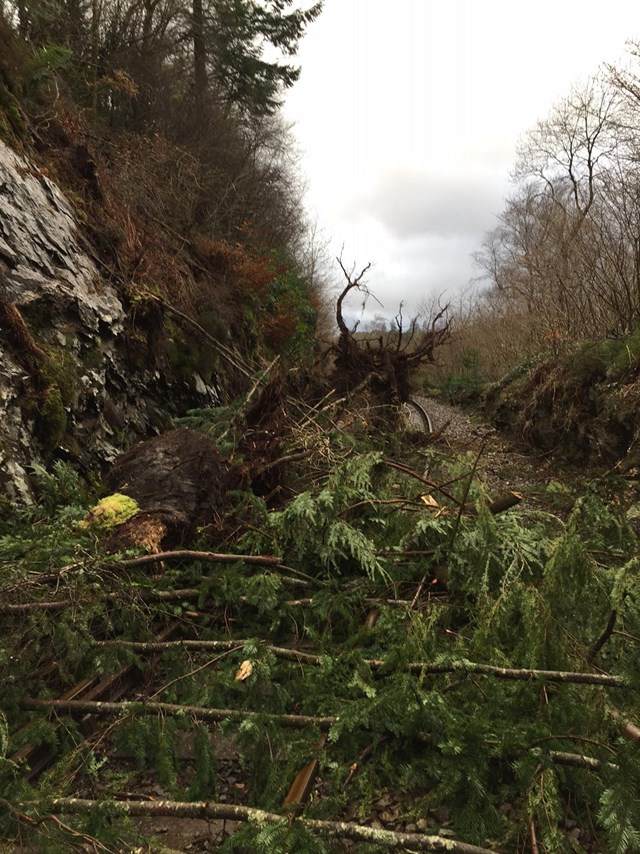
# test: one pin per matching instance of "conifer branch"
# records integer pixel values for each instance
(147, 596)
(25, 607)
(628, 727)
(577, 760)
(523, 674)
(467, 490)
(205, 557)
(335, 829)
(103, 707)
(414, 474)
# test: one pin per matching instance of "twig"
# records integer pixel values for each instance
(604, 637)
(190, 673)
(370, 502)
(287, 458)
(148, 596)
(336, 829)
(206, 557)
(467, 490)
(233, 358)
(525, 675)
(239, 415)
(211, 646)
(411, 473)
(577, 760)
(534, 840)
(628, 728)
(103, 707)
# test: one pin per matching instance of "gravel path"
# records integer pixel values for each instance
(505, 465)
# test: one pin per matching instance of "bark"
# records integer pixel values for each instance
(82, 707)
(577, 760)
(628, 727)
(144, 595)
(335, 829)
(179, 481)
(205, 557)
(526, 675)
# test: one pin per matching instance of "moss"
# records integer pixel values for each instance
(13, 127)
(110, 512)
(60, 370)
(51, 419)
(92, 358)
(187, 355)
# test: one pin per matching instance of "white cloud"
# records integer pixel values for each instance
(417, 204)
(409, 114)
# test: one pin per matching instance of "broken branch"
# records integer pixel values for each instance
(336, 829)
(100, 707)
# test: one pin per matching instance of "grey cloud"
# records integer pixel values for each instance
(412, 204)
(418, 269)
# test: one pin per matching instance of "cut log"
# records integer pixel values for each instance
(179, 481)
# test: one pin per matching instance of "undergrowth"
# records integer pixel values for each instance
(381, 569)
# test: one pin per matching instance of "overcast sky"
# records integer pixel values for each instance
(408, 113)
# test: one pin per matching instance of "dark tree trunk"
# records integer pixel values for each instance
(199, 55)
(179, 481)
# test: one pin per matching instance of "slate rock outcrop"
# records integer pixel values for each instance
(69, 387)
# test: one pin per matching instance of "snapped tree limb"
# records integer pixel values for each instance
(81, 707)
(335, 829)
(522, 674)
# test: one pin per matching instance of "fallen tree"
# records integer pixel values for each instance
(385, 363)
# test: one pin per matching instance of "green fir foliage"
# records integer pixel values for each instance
(521, 590)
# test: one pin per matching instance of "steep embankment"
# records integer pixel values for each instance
(75, 382)
(582, 404)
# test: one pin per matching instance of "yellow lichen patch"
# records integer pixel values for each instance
(110, 512)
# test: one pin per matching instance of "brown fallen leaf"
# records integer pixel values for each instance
(302, 784)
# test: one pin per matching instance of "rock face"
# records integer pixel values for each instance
(77, 378)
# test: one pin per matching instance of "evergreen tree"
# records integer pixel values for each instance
(231, 37)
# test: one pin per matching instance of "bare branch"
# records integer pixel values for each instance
(103, 707)
(336, 829)
(420, 667)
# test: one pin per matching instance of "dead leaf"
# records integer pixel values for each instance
(302, 785)
(244, 671)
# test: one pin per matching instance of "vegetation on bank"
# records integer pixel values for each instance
(561, 266)
(179, 169)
